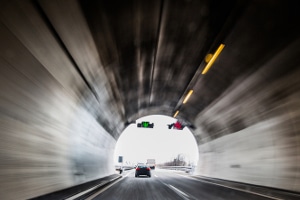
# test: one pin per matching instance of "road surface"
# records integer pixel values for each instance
(168, 185)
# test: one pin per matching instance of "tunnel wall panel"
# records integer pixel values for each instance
(266, 152)
(50, 139)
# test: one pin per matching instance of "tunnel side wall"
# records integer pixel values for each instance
(50, 131)
(251, 134)
(49, 141)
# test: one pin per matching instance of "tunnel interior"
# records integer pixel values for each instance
(74, 74)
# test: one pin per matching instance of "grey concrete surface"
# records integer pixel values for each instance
(74, 73)
(262, 117)
(170, 186)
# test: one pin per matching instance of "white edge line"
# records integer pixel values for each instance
(102, 190)
(82, 193)
(86, 191)
(270, 197)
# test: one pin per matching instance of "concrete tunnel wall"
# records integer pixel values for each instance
(49, 138)
(251, 133)
(51, 132)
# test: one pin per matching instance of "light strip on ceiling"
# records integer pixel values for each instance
(175, 115)
(187, 96)
(214, 57)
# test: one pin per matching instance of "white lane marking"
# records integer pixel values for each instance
(86, 191)
(91, 197)
(201, 180)
(102, 190)
(177, 191)
(128, 174)
(155, 175)
(80, 194)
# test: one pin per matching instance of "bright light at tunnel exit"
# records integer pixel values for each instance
(160, 143)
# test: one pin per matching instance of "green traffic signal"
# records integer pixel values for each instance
(145, 124)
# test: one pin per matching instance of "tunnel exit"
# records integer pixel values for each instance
(139, 143)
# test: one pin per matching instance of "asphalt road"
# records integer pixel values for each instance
(164, 185)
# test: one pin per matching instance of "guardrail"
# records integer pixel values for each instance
(187, 169)
(123, 168)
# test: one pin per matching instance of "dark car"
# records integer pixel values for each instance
(142, 170)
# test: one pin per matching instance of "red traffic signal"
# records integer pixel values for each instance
(177, 125)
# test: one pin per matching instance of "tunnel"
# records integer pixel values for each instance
(75, 73)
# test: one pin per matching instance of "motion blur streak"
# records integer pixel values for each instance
(74, 73)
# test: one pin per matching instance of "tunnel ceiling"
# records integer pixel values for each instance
(153, 52)
(156, 49)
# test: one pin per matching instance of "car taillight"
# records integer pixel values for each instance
(148, 169)
(137, 169)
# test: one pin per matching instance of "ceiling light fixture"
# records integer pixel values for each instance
(213, 58)
(175, 115)
(187, 96)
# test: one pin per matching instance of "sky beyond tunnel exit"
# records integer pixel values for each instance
(161, 143)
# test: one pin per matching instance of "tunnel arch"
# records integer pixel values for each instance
(158, 141)
(65, 83)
